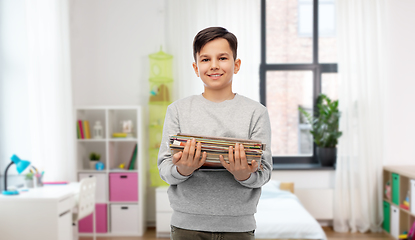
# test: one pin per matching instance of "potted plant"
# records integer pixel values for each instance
(324, 128)
(29, 179)
(93, 159)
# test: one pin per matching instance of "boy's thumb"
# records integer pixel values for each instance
(176, 157)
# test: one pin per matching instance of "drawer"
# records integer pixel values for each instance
(66, 205)
(162, 201)
(386, 216)
(123, 187)
(64, 227)
(124, 218)
(85, 224)
(163, 222)
(101, 187)
(394, 228)
(395, 188)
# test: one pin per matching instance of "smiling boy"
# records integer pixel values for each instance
(210, 204)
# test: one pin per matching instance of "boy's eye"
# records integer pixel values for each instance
(204, 60)
(223, 58)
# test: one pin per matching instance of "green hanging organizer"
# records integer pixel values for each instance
(161, 83)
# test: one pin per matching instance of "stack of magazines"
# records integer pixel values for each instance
(216, 146)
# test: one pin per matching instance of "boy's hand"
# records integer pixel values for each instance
(188, 160)
(238, 165)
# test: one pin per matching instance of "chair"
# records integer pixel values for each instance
(85, 202)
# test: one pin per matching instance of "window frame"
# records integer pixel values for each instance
(317, 68)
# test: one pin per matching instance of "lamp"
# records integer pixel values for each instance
(21, 165)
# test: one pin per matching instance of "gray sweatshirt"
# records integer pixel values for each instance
(213, 200)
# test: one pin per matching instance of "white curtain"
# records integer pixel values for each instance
(358, 188)
(185, 18)
(50, 94)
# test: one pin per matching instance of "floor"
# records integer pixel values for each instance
(331, 235)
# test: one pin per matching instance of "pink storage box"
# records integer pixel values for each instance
(85, 224)
(123, 187)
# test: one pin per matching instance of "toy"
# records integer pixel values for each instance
(388, 190)
(405, 203)
(403, 236)
(99, 166)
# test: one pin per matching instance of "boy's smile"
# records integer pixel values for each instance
(215, 66)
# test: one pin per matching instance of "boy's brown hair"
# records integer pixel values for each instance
(210, 34)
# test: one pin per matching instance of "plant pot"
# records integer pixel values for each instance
(29, 183)
(326, 156)
(92, 164)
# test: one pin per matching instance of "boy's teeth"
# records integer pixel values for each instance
(217, 75)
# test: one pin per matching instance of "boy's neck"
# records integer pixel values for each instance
(218, 96)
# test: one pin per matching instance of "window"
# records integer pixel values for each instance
(296, 65)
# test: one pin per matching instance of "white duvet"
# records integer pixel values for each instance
(280, 215)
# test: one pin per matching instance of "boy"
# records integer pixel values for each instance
(215, 204)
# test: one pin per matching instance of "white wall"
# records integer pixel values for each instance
(110, 44)
(400, 97)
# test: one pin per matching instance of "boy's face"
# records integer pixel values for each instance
(215, 65)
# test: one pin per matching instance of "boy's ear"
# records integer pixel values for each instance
(237, 66)
(196, 69)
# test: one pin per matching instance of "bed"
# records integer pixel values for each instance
(280, 215)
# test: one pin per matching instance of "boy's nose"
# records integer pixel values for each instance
(214, 65)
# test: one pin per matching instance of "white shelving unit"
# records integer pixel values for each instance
(398, 219)
(115, 151)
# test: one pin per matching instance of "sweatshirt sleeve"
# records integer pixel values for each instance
(261, 131)
(168, 171)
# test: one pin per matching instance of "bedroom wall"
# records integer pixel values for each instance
(110, 44)
(399, 106)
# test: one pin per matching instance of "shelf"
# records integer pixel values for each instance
(114, 151)
(406, 211)
(91, 140)
(398, 219)
(91, 171)
(109, 139)
(122, 171)
(122, 139)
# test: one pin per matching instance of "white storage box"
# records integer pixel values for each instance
(162, 200)
(394, 221)
(101, 192)
(163, 224)
(124, 218)
(163, 212)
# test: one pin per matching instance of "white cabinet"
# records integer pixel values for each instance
(115, 150)
(65, 226)
(398, 199)
(163, 212)
(123, 218)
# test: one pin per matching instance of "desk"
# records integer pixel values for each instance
(40, 214)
